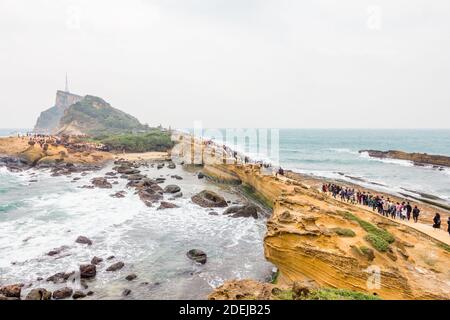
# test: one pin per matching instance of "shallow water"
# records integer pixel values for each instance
(37, 217)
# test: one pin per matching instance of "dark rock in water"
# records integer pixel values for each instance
(160, 166)
(90, 293)
(116, 266)
(171, 165)
(87, 187)
(213, 213)
(62, 293)
(246, 211)
(78, 295)
(96, 260)
(39, 294)
(120, 194)
(126, 292)
(197, 255)
(160, 180)
(126, 170)
(110, 258)
(60, 277)
(149, 196)
(209, 199)
(12, 291)
(131, 277)
(102, 183)
(172, 188)
(167, 205)
(176, 195)
(200, 175)
(88, 271)
(56, 251)
(84, 240)
(115, 182)
(175, 176)
(133, 177)
(33, 180)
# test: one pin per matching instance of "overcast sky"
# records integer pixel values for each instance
(232, 63)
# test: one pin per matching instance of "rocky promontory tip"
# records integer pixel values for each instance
(419, 159)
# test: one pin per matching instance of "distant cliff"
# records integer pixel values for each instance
(48, 121)
(418, 159)
(93, 116)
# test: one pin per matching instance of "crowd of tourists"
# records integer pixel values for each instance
(381, 204)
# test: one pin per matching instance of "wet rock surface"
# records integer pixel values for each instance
(197, 255)
(209, 199)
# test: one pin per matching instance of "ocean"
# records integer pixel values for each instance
(334, 153)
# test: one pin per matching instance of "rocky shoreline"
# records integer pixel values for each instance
(437, 162)
(150, 192)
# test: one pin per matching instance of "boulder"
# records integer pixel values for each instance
(150, 196)
(39, 294)
(60, 277)
(134, 177)
(84, 240)
(116, 266)
(245, 211)
(200, 175)
(101, 183)
(209, 199)
(96, 260)
(56, 251)
(119, 194)
(301, 289)
(167, 205)
(62, 293)
(172, 188)
(171, 165)
(177, 195)
(126, 170)
(12, 291)
(87, 271)
(126, 292)
(175, 176)
(78, 295)
(131, 277)
(160, 166)
(197, 255)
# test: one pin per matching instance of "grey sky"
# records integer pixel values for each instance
(232, 63)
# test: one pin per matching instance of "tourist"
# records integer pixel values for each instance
(448, 224)
(416, 213)
(437, 221)
(408, 211)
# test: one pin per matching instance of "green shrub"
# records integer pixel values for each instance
(377, 242)
(153, 140)
(370, 228)
(284, 295)
(343, 232)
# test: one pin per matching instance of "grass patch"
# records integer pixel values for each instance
(371, 229)
(343, 232)
(444, 246)
(340, 294)
(285, 295)
(377, 242)
(153, 140)
(251, 193)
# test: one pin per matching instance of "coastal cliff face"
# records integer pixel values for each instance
(419, 159)
(48, 121)
(311, 236)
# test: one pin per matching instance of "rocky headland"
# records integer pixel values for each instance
(419, 159)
